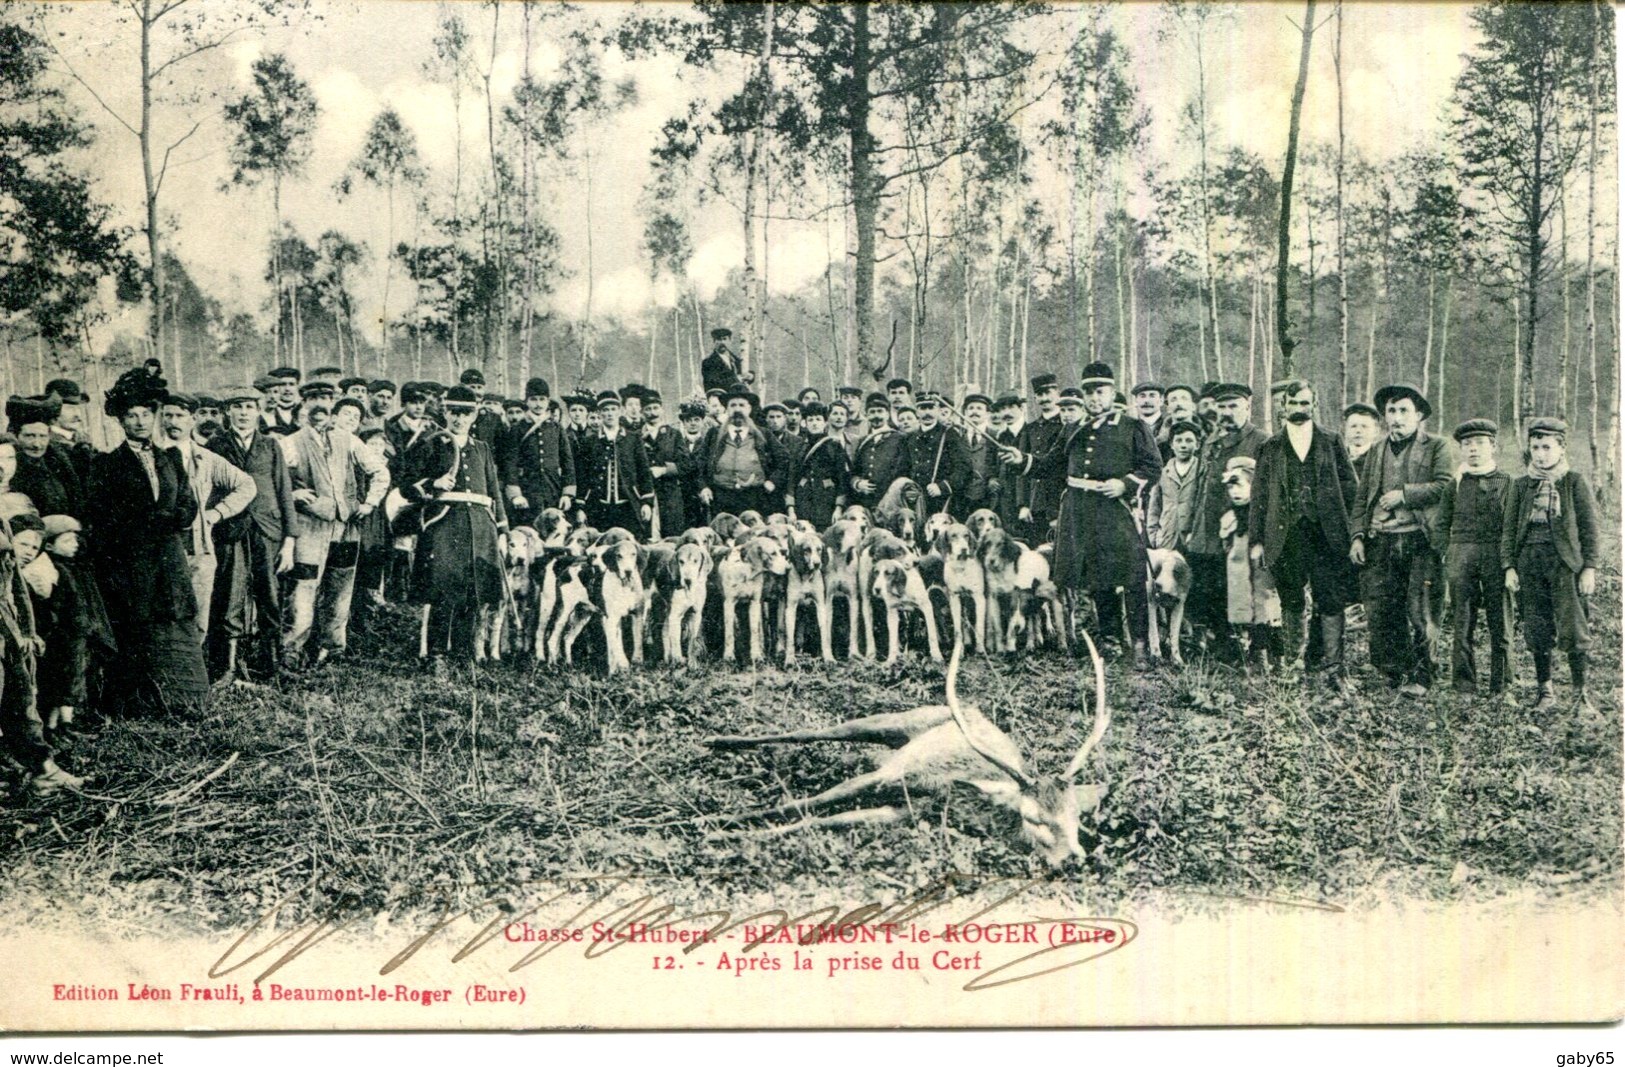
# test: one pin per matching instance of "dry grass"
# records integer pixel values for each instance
(372, 787)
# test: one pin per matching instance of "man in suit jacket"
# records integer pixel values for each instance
(335, 481)
(222, 492)
(616, 487)
(537, 460)
(671, 465)
(1298, 527)
(1397, 532)
(746, 469)
(722, 369)
(254, 548)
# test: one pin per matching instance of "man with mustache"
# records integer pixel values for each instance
(879, 459)
(1204, 547)
(1041, 495)
(746, 469)
(1399, 536)
(1298, 527)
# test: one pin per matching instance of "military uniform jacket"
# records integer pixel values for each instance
(822, 480)
(937, 457)
(881, 459)
(795, 447)
(1209, 502)
(624, 458)
(400, 436)
(488, 427)
(1042, 493)
(1097, 543)
(540, 460)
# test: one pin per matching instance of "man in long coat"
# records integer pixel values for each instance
(1298, 527)
(1204, 547)
(671, 465)
(722, 369)
(1041, 493)
(1106, 460)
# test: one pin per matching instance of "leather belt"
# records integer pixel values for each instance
(1073, 482)
(479, 499)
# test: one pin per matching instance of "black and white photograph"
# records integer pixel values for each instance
(520, 515)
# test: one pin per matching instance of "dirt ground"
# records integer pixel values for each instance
(372, 787)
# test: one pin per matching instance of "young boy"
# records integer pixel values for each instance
(1470, 516)
(1549, 552)
(1172, 496)
(1253, 601)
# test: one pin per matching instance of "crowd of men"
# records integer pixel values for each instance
(242, 532)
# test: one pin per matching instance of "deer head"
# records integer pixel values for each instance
(1049, 805)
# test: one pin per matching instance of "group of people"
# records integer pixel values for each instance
(240, 533)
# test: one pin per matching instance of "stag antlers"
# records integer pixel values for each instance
(938, 745)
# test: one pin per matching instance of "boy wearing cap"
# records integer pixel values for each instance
(1549, 551)
(1397, 534)
(1172, 494)
(1362, 427)
(1471, 515)
(537, 460)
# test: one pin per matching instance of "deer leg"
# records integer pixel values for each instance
(841, 791)
(891, 728)
(957, 615)
(859, 817)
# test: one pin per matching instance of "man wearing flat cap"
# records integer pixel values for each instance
(746, 469)
(722, 368)
(671, 465)
(616, 487)
(380, 403)
(1148, 408)
(1470, 516)
(981, 455)
(937, 460)
(1397, 534)
(1298, 529)
(1041, 495)
(1106, 459)
(1362, 428)
(1232, 436)
(537, 460)
(694, 430)
(253, 549)
(879, 459)
(281, 389)
(69, 428)
(46, 473)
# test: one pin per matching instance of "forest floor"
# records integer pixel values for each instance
(373, 788)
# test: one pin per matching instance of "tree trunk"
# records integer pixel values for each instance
(155, 270)
(1591, 251)
(1371, 338)
(1537, 195)
(276, 273)
(1342, 271)
(1444, 348)
(865, 192)
(753, 176)
(1284, 232)
(1209, 280)
(1427, 348)
(1563, 280)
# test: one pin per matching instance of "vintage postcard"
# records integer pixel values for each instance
(518, 515)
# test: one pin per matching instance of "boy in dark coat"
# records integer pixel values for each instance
(1549, 551)
(1471, 514)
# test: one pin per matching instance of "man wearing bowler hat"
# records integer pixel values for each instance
(746, 469)
(1398, 535)
(537, 460)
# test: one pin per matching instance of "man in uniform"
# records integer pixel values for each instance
(879, 459)
(1298, 528)
(669, 465)
(693, 435)
(1232, 436)
(616, 489)
(937, 460)
(537, 461)
(1106, 460)
(1041, 494)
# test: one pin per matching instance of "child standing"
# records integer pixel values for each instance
(1252, 598)
(1172, 498)
(1549, 553)
(1470, 515)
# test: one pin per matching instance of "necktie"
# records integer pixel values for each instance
(143, 452)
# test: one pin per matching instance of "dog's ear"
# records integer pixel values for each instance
(940, 542)
(1010, 550)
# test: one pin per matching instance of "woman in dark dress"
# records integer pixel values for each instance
(458, 566)
(144, 509)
